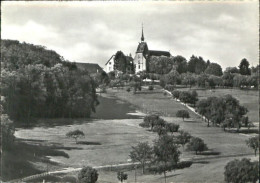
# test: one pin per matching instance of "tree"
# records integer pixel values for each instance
(176, 94)
(142, 153)
(196, 144)
(244, 67)
(181, 63)
(183, 138)
(121, 176)
(183, 114)
(88, 175)
(171, 127)
(232, 70)
(196, 65)
(150, 120)
(253, 143)
(240, 171)
(234, 111)
(214, 69)
(166, 154)
(75, 135)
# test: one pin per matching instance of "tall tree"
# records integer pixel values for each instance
(244, 67)
(166, 154)
(142, 153)
(214, 69)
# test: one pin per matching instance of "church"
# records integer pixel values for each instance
(141, 59)
(143, 55)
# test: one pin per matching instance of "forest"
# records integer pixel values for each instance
(37, 83)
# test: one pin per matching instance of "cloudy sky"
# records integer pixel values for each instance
(223, 32)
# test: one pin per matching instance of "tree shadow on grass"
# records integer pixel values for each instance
(88, 143)
(208, 153)
(201, 162)
(174, 175)
(17, 158)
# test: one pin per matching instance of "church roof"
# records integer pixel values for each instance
(142, 47)
(159, 53)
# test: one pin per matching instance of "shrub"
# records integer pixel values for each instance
(121, 176)
(171, 127)
(144, 125)
(183, 114)
(150, 87)
(240, 171)
(128, 89)
(169, 87)
(197, 144)
(88, 175)
(253, 143)
(176, 94)
(184, 164)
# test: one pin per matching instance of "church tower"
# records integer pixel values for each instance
(142, 38)
(141, 55)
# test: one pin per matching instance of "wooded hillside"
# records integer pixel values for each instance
(37, 82)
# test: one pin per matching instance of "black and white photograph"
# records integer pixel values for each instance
(130, 91)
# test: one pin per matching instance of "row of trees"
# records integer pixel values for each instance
(36, 89)
(196, 65)
(204, 80)
(224, 111)
(190, 97)
(164, 155)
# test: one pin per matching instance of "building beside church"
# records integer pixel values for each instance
(119, 62)
(143, 55)
(126, 64)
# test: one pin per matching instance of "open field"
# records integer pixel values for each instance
(247, 98)
(116, 137)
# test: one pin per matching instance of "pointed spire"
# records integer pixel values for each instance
(142, 38)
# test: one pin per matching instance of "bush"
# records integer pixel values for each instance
(169, 87)
(144, 125)
(183, 114)
(176, 94)
(88, 175)
(240, 171)
(128, 89)
(197, 144)
(171, 127)
(184, 164)
(150, 87)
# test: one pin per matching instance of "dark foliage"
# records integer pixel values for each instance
(38, 83)
(240, 171)
(88, 175)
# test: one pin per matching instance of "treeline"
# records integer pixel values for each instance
(223, 111)
(37, 82)
(197, 71)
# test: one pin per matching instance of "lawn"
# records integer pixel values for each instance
(116, 136)
(247, 98)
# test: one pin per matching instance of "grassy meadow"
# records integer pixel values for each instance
(116, 136)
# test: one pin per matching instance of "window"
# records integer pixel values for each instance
(109, 63)
(139, 66)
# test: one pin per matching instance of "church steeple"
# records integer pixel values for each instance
(142, 38)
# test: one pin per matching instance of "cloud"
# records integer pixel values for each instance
(92, 31)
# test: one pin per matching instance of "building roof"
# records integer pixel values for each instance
(110, 59)
(90, 67)
(142, 47)
(159, 53)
